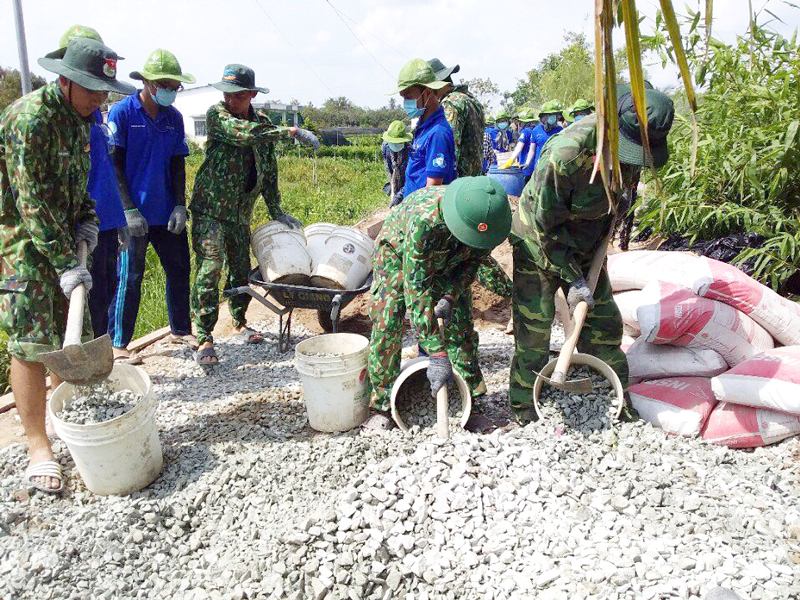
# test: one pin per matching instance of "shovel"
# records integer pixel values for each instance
(559, 377)
(442, 402)
(80, 364)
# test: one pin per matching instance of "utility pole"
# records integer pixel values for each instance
(24, 73)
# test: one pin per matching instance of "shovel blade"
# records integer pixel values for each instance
(82, 364)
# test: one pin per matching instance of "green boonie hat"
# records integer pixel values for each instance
(660, 114)
(442, 73)
(397, 133)
(551, 107)
(238, 78)
(417, 72)
(162, 64)
(489, 119)
(76, 31)
(90, 64)
(527, 115)
(501, 115)
(476, 212)
(580, 105)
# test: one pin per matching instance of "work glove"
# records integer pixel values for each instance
(137, 225)
(398, 199)
(508, 164)
(579, 292)
(440, 371)
(72, 278)
(444, 310)
(177, 220)
(124, 236)
(87, 232)
(307, 138)
(289, 220)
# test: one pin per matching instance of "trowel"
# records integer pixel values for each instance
(77, 363)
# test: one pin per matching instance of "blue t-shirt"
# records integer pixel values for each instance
(526, 137)
(496, 133)
(102, 180)
(149, 146)
(433, 153)
(540, 137)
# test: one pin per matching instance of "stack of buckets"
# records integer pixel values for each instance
(325, 255)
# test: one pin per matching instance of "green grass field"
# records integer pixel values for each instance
(346, 191)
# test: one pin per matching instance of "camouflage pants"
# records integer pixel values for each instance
(33, 314)
(534, 309)
(387, 308)
(216, 243)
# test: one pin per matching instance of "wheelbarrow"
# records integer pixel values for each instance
(326, 301)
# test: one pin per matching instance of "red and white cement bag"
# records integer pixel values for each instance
(739, 426)
(725, 283)
(627, 303)
(634, 270)
(769, 380)
(649, 361)
(679, 405)
(673, 315)
(627, 342)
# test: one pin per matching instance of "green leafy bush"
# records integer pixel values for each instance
(747, 176)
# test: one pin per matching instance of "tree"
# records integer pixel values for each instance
(485, 90)
(341, 112)
(11, 85)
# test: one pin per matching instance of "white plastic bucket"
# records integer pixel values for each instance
(281, 253)
(119, 456)
(316, 236)
(335, 388)
(413, 367)
(347, 260)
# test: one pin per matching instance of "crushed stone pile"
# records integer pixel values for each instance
(252, 503)
(98, 403)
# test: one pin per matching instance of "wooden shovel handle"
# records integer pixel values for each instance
(442, 402)
(77, 301)
(565, 356)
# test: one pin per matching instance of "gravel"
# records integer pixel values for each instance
(417, 407)
(97, 403)
(252, 503)
(586, 413)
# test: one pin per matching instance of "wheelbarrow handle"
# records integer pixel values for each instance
(77, 302)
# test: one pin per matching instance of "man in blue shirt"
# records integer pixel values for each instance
(432, 160)
(502, 138)
(149, 159)
(549, 117)
(524, 151)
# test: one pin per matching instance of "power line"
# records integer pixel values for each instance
(404, 55)
(357, 38)
(300, 56)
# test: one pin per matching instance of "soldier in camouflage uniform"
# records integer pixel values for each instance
(425, 261)
(562, 221)
(466, 117)
(240, 164)
(45, 211)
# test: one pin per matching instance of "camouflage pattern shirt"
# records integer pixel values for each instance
(562, 217)
(240, 162)
(465, 114)
(433, 262)
(44, 171)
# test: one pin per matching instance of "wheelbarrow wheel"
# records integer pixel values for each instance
(324, 318)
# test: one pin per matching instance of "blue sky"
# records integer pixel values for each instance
(306, 49)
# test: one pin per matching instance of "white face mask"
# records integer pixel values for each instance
(395, 147)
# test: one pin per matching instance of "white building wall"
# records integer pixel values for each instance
(193, 104)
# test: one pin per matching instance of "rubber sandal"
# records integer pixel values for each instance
(46, 468)
(130, 359)
(209, 352)
(248, 336)
(184, 340)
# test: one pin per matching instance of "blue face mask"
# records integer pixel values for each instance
(395, 147)
(165, 97)
(579, 117)
(502, 125)
(411, 108)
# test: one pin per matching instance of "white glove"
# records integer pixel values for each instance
(307, 138)
(177, 220)
(72, 278)
(87, 232)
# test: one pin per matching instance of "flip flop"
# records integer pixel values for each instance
(190, 341)
(46, 468)
(209, 352)
(248, 336)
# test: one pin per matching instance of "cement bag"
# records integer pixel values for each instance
(768, 380)
(627, 342)
(648, 361)
(673, 315)
(739, 426)
(627, 303)
(634, 270)
(725, 283)
(680, 405)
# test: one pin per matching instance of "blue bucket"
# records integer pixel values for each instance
(512, 180)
